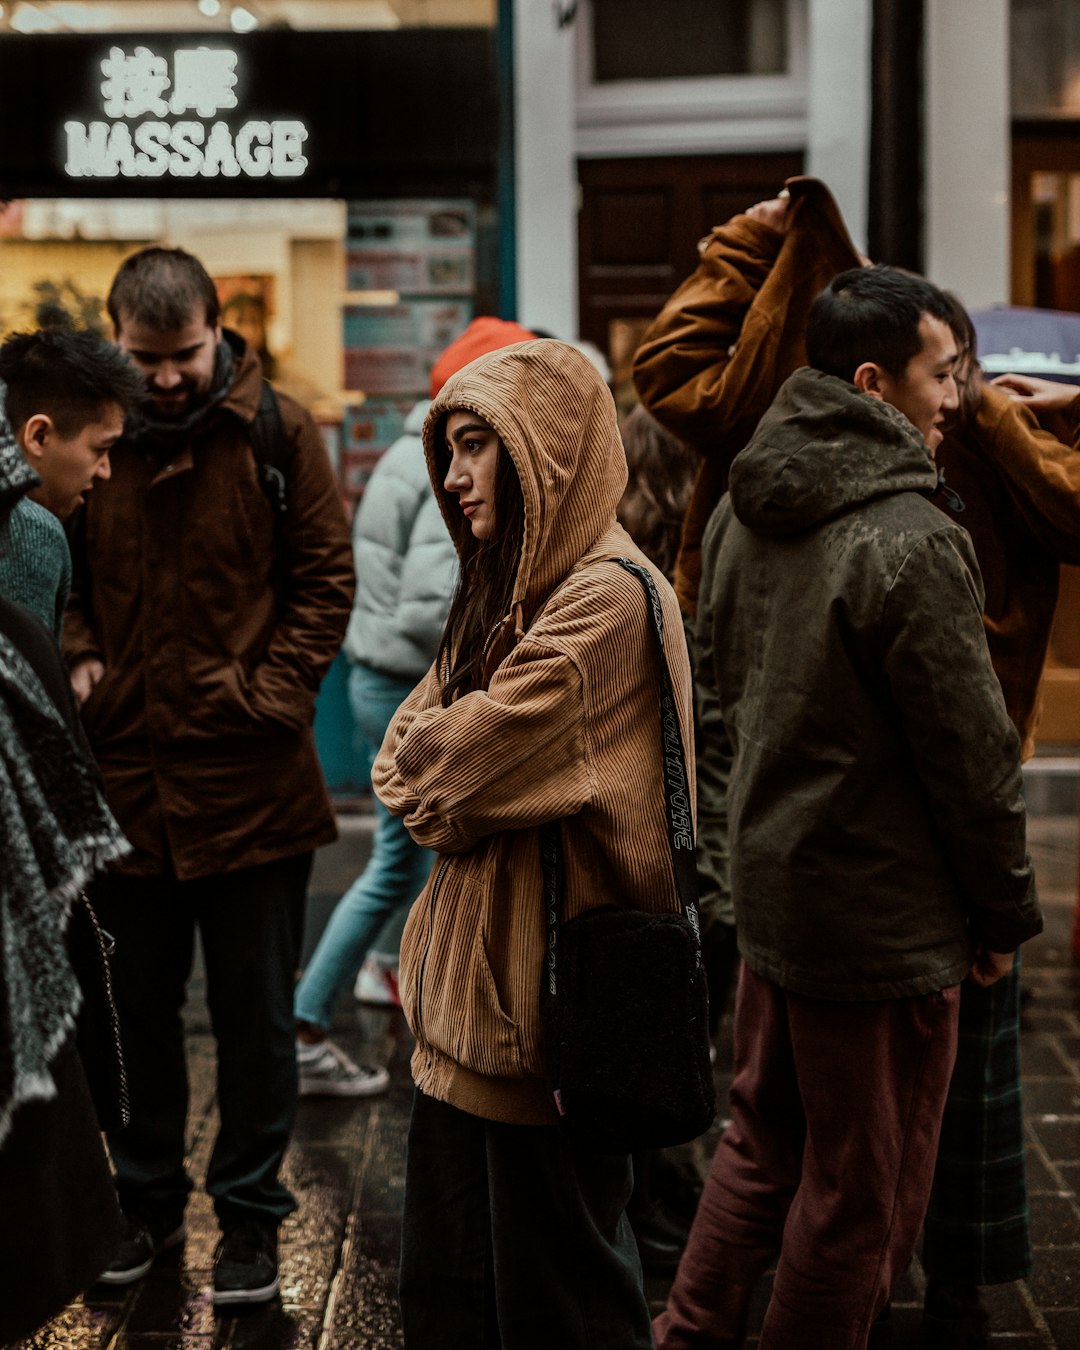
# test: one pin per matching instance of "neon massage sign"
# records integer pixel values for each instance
(140, 91)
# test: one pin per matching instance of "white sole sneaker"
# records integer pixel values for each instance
(370, 1084)
(325, 1070)
(231, 1297)
(129, 1274)
(377, 985)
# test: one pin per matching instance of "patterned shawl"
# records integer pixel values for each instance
(55, 833)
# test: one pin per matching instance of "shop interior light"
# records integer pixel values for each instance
(31, 19)
(84, 18)
(209, 9)
(372, 298)
(242, 20)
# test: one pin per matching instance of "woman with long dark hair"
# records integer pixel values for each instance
(542, 706)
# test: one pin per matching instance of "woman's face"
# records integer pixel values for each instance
(473, 446)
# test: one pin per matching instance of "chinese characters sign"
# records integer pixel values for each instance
(272, 113)
(141, 89)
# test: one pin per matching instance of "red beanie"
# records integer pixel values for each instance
(486, 334)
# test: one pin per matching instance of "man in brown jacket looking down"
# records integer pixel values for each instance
(707, 367)
(203, 618)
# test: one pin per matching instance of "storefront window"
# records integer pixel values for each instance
(643, 40)
(1044, 54)
(215, 16)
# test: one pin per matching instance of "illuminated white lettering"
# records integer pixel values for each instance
(254, 160)
(120, 155)
(203, 80)
(152, 140)
(185, 149)
(219, 156)
(186, 158)
(134, 85)
(85, 148)
(288, 140)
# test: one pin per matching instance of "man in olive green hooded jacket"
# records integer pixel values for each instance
(876, 820)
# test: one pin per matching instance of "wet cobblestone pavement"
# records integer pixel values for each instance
(346, 1165)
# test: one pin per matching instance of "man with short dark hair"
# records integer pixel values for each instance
(67, 394)
(876, 823)
(208, 617)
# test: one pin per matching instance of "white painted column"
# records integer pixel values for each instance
(838, 104)
(545, 188)
(967, 148)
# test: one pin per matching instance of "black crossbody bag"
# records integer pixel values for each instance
(624, 1001)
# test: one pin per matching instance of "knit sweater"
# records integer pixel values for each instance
(566, 728)
(35, 564)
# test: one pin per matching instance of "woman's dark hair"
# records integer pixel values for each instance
(661, 473)
(485, 586)
(967, 371)
(871, 314)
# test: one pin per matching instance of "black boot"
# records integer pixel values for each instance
(881, 1333)
(660, 1235)
(720, 954)
(954, 1317)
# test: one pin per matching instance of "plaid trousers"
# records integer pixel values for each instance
(976, 1228)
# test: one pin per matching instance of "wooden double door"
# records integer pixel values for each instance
(639, 225)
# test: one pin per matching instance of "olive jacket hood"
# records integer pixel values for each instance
(566, 728)
(875, 805)
(822, 449)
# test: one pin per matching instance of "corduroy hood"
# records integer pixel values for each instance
(823, 448)
(557, 420)
(565, 728)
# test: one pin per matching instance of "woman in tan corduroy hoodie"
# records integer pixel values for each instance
(542, 706)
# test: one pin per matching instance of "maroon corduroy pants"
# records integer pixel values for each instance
(827, 1164)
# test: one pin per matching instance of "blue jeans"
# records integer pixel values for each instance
(395, 875)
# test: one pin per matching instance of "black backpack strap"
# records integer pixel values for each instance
(268, 443)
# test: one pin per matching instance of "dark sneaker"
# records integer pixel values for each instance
(139, 1246)
(954, 1317)
(245, 1264)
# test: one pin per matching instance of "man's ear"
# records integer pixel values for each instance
(869, 379)
(34, 434)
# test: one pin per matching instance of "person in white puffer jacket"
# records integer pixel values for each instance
(406, 568)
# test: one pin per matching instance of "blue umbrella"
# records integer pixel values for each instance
(1044, 342)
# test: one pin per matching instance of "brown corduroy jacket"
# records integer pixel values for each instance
(1020, 487)
(711, 362)
(567, 728)
(724, 343)
(215, 630)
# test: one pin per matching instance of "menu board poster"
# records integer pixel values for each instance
(357, 467)
(376, 423)
(434, 271)
(410, 223)
(390, 370)
(421, 323)
(390, 349)
(414, 247)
